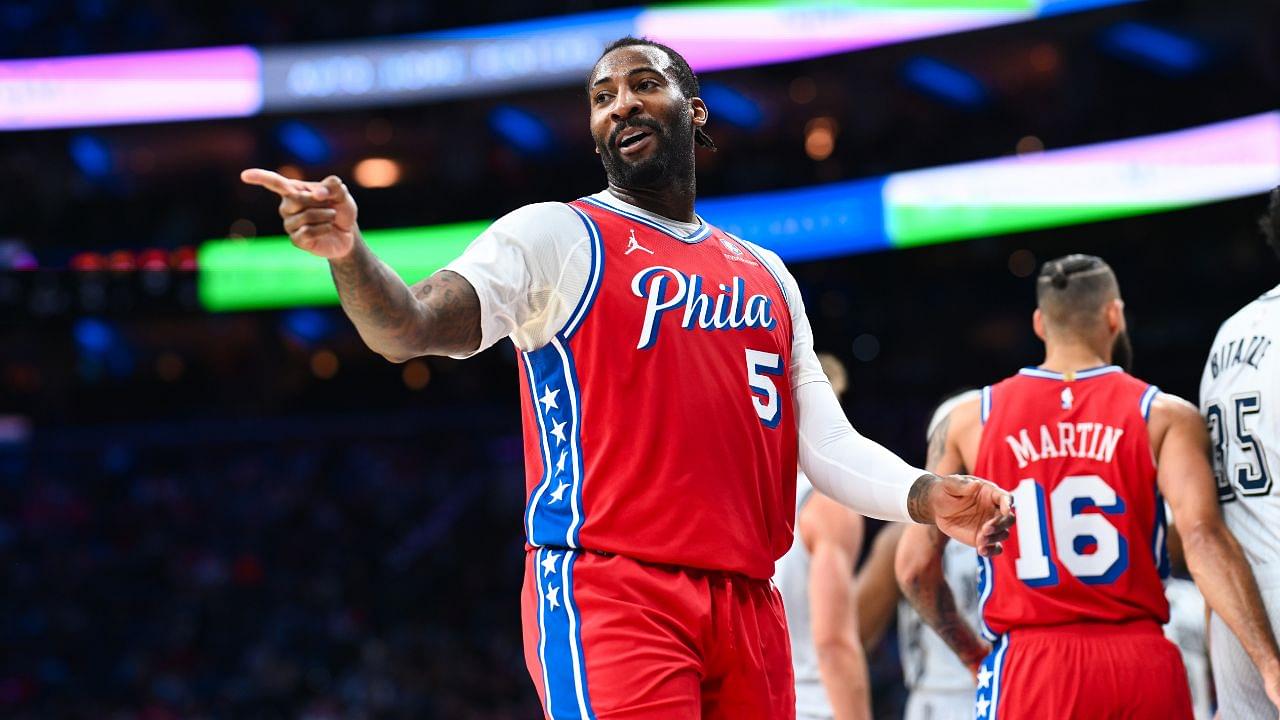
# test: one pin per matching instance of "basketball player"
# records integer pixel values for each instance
(1074, 608)
(940, 686)
(1238, 392)
(668, 385)
(815, 578)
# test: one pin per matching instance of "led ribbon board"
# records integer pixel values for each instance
(483, 60)
(1151, 174)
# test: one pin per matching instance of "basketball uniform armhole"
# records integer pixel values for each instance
(985, 404)
(1144, 403)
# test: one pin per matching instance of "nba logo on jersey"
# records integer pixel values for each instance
(730, 246)
(1067, 398)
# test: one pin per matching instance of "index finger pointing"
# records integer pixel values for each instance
(273, 181)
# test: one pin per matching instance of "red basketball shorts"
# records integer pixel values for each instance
(610, 638)
(1084, 671)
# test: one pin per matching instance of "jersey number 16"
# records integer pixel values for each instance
(1086, 543)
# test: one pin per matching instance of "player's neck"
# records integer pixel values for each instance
(1072, 357)
(674, 201)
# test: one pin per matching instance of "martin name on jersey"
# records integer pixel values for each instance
(1091, 440)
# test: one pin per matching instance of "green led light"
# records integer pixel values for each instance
(914, 225)
(270, 272)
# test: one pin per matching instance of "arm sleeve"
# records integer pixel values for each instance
(525, 268)
(842, 464)
(851, 469)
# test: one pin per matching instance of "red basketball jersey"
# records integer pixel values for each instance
(658, 424)
(1088, 545)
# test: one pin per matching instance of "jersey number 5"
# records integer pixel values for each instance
(1087, 544)
(764, 392)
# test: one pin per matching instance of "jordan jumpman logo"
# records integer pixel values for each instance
(633, 245)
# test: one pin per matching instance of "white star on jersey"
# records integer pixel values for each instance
(548, 398)
(549, 563)
(560, 462)
(984, 678)
(553, 598)
(558, 494)
(983, 704)
(557, 429)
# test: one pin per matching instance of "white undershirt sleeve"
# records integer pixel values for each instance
(846, 466)
(529, 269)
(842, 464)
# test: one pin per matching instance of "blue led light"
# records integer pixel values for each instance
(729, 105)
(91, 155)
(521, 129)
(303, 142)
(1156, 48)
(93, 335)
(945, 82)
(808, 223)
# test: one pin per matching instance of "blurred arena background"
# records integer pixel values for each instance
(216, 502)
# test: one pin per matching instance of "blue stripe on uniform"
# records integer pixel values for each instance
(1147, 398)
(1159, 549)
(782, 288)
(998, 653)
(594, 277)
(552, 517)
(541, 487)
(575, 442)
(560, 650)
(986, 583)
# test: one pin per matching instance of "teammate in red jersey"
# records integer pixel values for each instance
(668, 384)
(1075, 604)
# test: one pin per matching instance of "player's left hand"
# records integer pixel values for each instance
(972, 510)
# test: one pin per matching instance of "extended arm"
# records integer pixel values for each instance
(833, 535)
(865, 476)
(920, 575)
(877, 589)
(1213, 555)
(437, 316)
(919, 560)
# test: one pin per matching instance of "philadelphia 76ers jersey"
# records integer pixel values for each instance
(1089, 541)
(658, 422)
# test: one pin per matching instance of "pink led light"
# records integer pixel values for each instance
(130, 87)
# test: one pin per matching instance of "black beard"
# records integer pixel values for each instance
(672, 160)
(1122, 352)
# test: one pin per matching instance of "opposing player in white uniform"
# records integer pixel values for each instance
(1240, 400)
(816, 580)
(940, 686)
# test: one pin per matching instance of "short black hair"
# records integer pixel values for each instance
(684, 77)
(1070, 290)
(1270, 223)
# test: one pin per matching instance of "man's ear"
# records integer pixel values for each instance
(1037, 324)
(699, 110)
(1115, 316)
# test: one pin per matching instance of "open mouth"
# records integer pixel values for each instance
(632, 139)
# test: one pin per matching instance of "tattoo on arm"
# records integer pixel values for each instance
(440, 315)
(931, 597)
(918, 499)
(452, 310)
(937, 444)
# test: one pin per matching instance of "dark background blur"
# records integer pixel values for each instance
(251, 515)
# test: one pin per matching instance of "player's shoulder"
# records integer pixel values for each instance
(1264, 303)
(541, 213)
(543, 229)
(1168, 409)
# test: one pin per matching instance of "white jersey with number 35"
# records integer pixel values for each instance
(1240, 401)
